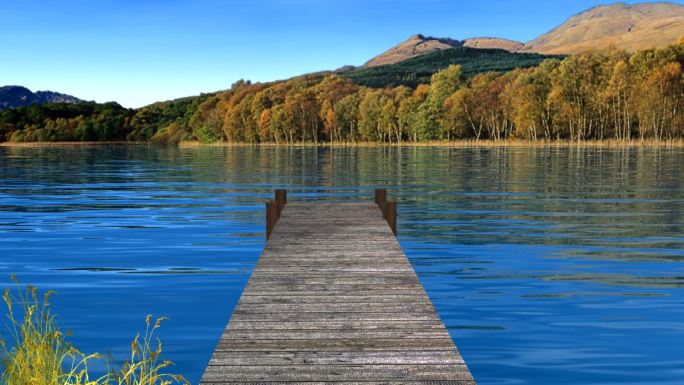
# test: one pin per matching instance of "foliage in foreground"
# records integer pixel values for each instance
(39, 353)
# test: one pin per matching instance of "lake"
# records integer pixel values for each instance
(560, 265)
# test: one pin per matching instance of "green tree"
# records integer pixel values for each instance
(206, 124)
(346, 117)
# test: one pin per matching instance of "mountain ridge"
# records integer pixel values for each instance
(619, 25)
(12, 96)
(414, 46)
(493, 42)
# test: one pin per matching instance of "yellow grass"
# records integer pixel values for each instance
(457, 144)
(40, 355)
(145, 366)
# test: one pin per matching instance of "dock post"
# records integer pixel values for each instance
(271, 217)
(390, 214)
(380, 199)
(281, 200)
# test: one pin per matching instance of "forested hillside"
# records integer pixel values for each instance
(163, 122)
(419, 70)
(592, 96)
(64, 122)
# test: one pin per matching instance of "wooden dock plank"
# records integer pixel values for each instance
(332, 344)
(332, 373)
(334, 300)
(276, 298)
(337, 325)
(337, 358)
(345, 317)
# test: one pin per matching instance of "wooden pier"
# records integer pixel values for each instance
(333, 299)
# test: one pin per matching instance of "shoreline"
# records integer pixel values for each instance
(454, 144)
(436, 144)
(68, 144)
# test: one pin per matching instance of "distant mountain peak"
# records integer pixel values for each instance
(416, 45)
(19, 96)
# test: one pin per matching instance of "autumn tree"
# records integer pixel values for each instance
(660, 102)
(526, 99)
(575, 95)
(206, 124)
(443, 84)
(618, 99)
(346, 118)
(370, 113)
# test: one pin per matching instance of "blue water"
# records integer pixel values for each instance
(548, 265)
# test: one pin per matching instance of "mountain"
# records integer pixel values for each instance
(626, 26)
(631, 27)
(494, 42)
(17, 96)
(416, 45)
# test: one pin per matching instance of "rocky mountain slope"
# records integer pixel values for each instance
(625, 26)
(416, 45)
(494, 42)
(17, 96)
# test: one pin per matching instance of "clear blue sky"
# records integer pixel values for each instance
(137, 52)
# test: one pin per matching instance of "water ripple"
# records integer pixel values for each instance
(561, 265)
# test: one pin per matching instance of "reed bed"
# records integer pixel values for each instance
(456, 144)
(67, 144)
(39, 353)
(436, 143)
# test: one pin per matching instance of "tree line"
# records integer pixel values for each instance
(591, 96)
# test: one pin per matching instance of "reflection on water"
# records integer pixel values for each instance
(545, 263)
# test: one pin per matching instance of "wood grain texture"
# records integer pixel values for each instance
(334, 300)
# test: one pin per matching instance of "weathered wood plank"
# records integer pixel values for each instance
(276, 298)
(387, 281)
(335, 308)
(337, 372)
(337, 358)
(337, 325)
(232, 334)
(342, 317)
(336, 345)
(334, 300)
(324, 290)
